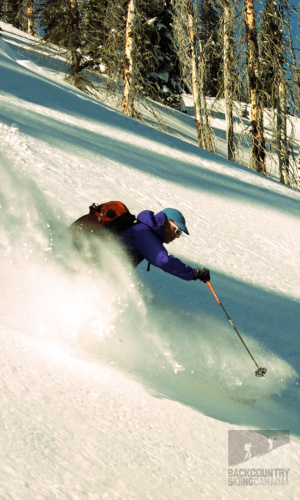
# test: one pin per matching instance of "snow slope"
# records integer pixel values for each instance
(124, 384)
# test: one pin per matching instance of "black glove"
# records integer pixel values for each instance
(202, 274)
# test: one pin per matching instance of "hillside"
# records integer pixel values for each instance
(124, 384)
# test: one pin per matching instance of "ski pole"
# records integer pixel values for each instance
(260, 372)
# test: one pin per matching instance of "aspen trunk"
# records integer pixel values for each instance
(30, 18)
(258, 153)
(283, 155)
(128, 94)
(75, 55)
(298, 171)
(195, 84)
(228, 84)
(282, 140)
(296, 69)
(206, 131)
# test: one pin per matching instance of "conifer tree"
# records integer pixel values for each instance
(209, 33)
(165, 79)
(13, 13)
(53, 16)
(62, 22)
(97, 31)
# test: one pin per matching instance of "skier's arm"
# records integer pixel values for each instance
(151, 248)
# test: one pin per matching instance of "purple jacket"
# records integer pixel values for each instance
(144, 240)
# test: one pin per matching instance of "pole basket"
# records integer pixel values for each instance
(261, 372)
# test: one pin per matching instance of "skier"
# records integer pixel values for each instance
(145, 239)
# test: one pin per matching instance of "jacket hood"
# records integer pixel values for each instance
(154, 222)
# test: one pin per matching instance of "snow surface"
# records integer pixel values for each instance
(124, 384)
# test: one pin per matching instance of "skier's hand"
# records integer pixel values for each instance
(202, 274)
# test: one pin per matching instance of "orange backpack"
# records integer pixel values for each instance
(113, 215)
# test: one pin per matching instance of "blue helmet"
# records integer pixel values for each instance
(177, 217)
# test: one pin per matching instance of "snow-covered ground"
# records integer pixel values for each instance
(125, 384)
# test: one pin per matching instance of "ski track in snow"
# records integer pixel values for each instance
(108, 375)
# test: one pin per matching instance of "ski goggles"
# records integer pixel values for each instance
(177, 231)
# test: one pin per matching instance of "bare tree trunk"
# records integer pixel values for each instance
(295, 66)
(296, 73)
(128, 94)
(30, 17)
(282, 139)
(258, 153)
(298, 170)
(207, 132)
(195, 83)
(75, 54)
(228, 83)
(283, 153)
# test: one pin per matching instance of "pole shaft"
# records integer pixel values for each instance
(230, 321)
